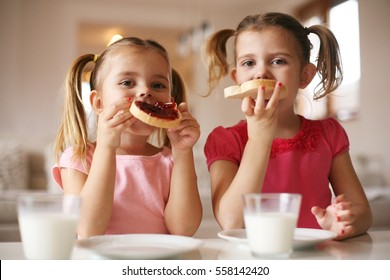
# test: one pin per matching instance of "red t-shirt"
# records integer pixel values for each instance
(297, 165)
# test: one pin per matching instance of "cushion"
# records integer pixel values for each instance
(13, 167)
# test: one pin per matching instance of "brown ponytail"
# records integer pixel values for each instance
(328, 61)
(216, 57)
(178, 88)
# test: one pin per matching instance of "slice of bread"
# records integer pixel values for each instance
(250, 88)
(163, 115)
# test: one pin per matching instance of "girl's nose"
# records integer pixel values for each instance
(262, 73)
(144, 92)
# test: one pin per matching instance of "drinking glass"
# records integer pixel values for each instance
(48, 225)
(270, 221)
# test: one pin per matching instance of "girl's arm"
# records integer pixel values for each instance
(97, 188)
(183, 212)
(229, 181)
(96, 191)
(350, 214)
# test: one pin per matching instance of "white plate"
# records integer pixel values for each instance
(303, 237)
(139, 246)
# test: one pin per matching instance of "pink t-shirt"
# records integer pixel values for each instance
(141, 190)
(297, 165)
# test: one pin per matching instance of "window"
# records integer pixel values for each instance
(344, 22)
(342, 17)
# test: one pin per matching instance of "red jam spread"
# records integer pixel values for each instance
(160, 110)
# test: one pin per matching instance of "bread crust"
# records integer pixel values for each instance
(250, 88)
(153, 120)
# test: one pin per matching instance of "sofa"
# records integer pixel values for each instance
(21, 172)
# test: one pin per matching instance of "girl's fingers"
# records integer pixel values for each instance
(339, 198)
(182, 107)
(273, 102)
(187, 126)
(247, 106)
(186, 118)
(318, 212)
(346, 216)
(120, 118)
(116, 115)
(116, 109)
(254, 107)
(259, 106)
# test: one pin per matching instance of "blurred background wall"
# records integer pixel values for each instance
(39, 39)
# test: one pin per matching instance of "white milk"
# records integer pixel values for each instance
(270, 234)
(48, 235)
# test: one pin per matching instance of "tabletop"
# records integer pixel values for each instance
(374, 245)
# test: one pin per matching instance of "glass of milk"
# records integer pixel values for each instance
(48, 225)
(270, 221)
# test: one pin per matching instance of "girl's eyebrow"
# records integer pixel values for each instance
(288, 54)
(245, 56)
(126, 73)
(131, 73)
(157, 76)
(272, 54)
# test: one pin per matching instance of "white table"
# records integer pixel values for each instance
(375, 245)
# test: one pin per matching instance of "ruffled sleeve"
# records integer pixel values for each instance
(336, 136)
(226, 144)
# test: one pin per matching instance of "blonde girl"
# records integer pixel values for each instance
(274, 149)
(127, 184)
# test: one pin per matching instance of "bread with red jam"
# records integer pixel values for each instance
(160, 114)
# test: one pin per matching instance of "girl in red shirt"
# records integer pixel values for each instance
(274, 149)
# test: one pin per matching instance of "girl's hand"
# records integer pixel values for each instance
(187, 133)
(111, 123)
(262, 116)
(338, 217)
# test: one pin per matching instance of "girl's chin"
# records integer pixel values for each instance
(139, 127)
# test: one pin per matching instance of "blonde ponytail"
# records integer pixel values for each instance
(74, 128)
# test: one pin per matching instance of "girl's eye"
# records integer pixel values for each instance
(248, 63)
(158, 86)
(278, 61)
(127, 83)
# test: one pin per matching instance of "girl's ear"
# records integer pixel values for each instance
(233, 74)
(307, 75)
(96, 102)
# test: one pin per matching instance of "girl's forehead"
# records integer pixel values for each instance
(270, 33)
(132, 52)
(136, 57)
(133, 59)
(267, 37)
